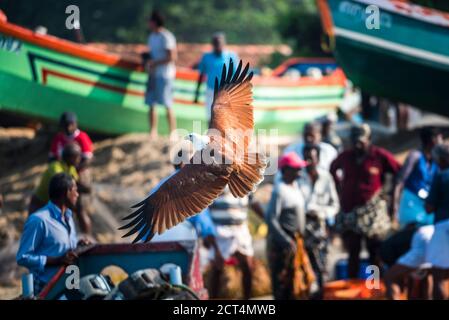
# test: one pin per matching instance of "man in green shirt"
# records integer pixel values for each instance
(71, 157)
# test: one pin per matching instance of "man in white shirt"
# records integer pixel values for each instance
(321, 205)
(409, 262)
(162, 72)
(312, 136)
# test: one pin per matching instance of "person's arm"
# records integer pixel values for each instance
(87, 149)
(203, 224)
(53, 154)
(202, 69)
(403, 175)
(84, 163)
(333, 207)
(67, 259)
(198, 86)
(205, 228)
(391, 165)
(335, 166)
(273, 214)
(432, 198)
(32, 237)
(257, 208)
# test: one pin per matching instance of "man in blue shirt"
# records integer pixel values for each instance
(437, 253)
(414, 180)
(211, 65)
(49, 236)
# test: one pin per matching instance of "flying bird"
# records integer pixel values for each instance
(222, 158)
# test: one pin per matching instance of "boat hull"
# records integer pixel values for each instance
(406, 60)
(42, 76)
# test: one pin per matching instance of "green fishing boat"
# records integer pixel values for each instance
(405, 59)
(41, 76)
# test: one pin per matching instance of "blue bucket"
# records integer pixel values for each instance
(341, 269)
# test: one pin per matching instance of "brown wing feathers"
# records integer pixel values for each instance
(232, 109)
(184, 194)
(247, 175)
(232, 99)
(194, 187)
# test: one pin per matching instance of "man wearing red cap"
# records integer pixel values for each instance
(286, 218)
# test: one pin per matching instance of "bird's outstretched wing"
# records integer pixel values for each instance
(186, 193)
(232, 110)
(232, 124)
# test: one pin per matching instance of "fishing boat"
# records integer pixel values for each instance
(42, 76)
(404, 58)
(120, 261)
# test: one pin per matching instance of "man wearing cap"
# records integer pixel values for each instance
(285, 217)
(359, 175)
(211, 65)
(69, 134)
(438, 202)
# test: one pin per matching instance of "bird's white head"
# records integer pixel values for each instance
(199, 142)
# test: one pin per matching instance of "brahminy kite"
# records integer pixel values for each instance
(223, 158)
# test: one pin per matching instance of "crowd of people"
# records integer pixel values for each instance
(364, 196)
(359, 193)
(49, 239)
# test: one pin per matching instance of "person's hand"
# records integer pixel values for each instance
(291, 247)
(218, 260)
(208, 241)
(84, 242)
(151, 64)
(395, 223)
(313, 214)
(393, 210)
(148, 66)
(69, 258)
